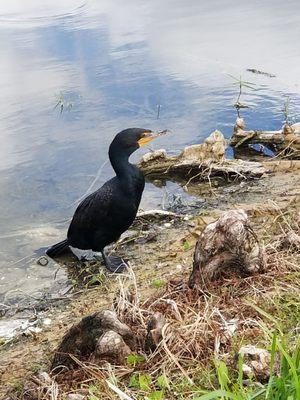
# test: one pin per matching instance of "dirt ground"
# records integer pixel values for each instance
(157, 249)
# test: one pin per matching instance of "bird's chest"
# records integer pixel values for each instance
(125, 203)
(125, 209)
(121, 217)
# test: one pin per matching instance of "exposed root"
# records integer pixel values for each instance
(225, 246)
(100, 334)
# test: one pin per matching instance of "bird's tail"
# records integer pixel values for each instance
(58, 249)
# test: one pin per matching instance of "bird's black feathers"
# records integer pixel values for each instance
(58, 249)
(104, 215)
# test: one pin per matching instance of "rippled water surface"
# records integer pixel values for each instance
(107, 65)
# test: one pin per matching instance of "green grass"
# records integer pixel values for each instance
(284, 385)
(229, 383)
(158, 283)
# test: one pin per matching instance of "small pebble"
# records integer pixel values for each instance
(75, 396)
(44, 377)
(47, 321)
(32, 330)
(167, 225)
(43, 261)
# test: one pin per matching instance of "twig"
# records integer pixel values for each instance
(118, 391)
(171, 356)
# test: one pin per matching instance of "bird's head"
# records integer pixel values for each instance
(129, 140)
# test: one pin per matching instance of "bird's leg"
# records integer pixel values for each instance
(82, 255)
(114, 264)
(97, 255)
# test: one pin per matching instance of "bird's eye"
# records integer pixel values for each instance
(146, 137)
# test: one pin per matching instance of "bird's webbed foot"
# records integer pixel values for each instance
(114, 264)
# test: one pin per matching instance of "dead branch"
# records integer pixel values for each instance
(202, 161)
(287, 139)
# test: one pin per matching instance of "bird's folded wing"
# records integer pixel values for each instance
(94, 209)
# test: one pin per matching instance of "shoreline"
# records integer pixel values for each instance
(158, 251)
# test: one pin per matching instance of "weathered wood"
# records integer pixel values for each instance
(226, 246)
(279, 165)
(201, 161)
(89, 336)
(111, 346)
(283, 140)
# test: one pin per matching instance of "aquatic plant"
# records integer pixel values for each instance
(63, 103)
(241, 86)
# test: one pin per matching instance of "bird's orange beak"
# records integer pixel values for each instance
(148, 136)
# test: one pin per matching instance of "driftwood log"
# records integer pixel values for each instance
(285, 141)
(200, 161)
(97, 336)
(226, 246)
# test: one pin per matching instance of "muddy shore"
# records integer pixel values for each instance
(158, 249)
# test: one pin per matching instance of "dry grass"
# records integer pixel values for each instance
(202, 324)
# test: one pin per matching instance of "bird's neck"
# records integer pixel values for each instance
(120, 164)
(128, 174)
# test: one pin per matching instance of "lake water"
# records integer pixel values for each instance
(110, 64)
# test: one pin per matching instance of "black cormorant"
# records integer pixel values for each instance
(104, 215)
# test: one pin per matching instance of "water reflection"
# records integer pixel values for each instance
(116, 62)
